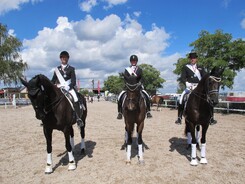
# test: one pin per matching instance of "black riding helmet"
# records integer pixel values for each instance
(64, 53)
(133, 58)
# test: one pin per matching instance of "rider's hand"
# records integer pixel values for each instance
(67, 88)
(188, 85)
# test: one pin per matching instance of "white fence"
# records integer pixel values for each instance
(224, 106)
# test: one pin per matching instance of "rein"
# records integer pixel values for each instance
(205, 96)
(53, 104)
(135, 86)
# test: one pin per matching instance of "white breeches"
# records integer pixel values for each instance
(74, 95)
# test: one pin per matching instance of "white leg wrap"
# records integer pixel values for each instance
(49, 158)
(71, 157)
(49, 167)
(189, 138)
(193, 155)
(140, 151)
(128, 152)
(72, 142)
(82, 146)
(72, 164)
(203, 150)
(193, 151)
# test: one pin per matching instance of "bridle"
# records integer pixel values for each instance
(133, 88)
(208, 93)
(39, 91)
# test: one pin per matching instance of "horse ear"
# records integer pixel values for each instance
(23, 81)
(217, 71)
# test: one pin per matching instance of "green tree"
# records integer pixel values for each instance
(218, 49)
(151, 78)
(11, 64)
(151, 81)
(114, 84)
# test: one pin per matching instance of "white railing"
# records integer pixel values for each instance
(227, 106)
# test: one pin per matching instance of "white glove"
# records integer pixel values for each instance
(188, 85)
(67, 88)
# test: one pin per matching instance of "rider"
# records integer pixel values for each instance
(133, 69)
(191, 75)
(65, 77)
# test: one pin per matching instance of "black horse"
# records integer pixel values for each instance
(55, 110)
(199, 110)
(134, 111)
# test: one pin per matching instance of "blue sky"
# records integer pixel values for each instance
(100, 35)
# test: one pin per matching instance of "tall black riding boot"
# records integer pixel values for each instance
(180, 113)
(78, 114)
(148, 104)
(119, 109)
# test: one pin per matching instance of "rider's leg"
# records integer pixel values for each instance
(148, 104)
(77, 108)
(180, 108)
(212, 120)
(119, 105)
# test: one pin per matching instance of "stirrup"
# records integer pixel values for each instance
(119, 116)
(178, 121)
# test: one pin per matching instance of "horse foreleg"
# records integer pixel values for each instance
(140, 143)
(193, 147)
(129, 145)
(203, 145)
(82, 145)
(48, 136)
(72, 164)
(72, 138)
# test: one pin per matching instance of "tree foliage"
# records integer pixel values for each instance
(218, 49)
(151, 80)
(11, 64)
(114, 84)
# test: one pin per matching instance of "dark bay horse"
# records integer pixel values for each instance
(155, 99)
(55, 111)
(134, 110)
(199, 110)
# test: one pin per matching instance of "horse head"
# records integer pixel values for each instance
(36, 94)
(213, 84)
(133, 93)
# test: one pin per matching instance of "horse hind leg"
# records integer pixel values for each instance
(82, 144)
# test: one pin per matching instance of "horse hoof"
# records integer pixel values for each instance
(128, 162)
(48, 169)
(203, 161)
(194, 162)
(72, 166)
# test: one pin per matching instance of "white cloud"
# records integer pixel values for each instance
(99, 48)
(87, 5)
(243, 23)
(8, 5)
